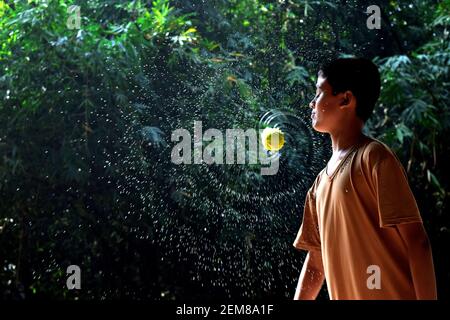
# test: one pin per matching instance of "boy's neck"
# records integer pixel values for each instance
(345, 139)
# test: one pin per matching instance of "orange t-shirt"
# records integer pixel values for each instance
(349, 215)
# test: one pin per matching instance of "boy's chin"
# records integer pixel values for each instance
(318, 128)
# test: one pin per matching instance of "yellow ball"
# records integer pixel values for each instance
(272, 139)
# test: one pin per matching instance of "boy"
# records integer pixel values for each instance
(361, 225)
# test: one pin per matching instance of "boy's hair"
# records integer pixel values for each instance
(360, 76)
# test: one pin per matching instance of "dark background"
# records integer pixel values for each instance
(87, 114)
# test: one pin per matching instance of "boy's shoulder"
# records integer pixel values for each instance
(377, 157)
(375, 151)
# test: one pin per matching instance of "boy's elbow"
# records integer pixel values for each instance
(314, 262)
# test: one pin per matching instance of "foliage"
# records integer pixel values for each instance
(86, 177)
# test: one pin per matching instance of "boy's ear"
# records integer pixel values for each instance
(347, 97)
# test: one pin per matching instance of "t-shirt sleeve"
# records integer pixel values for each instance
(308, 237)
(396, 203)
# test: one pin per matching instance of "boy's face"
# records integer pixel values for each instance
(327, 110)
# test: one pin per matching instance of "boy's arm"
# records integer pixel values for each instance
(420, 259)
(311, 277)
